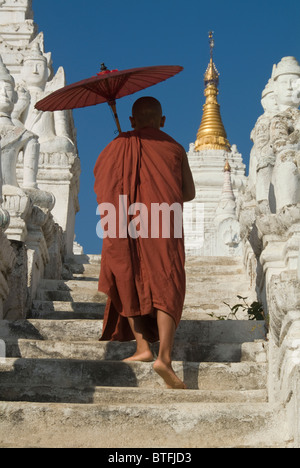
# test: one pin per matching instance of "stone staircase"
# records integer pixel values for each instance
(61, 387)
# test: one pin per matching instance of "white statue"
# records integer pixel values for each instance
(285, 134)
(263, 158)
(15, 139)
(51, 127)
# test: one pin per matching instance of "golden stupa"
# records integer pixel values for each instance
(211, 134)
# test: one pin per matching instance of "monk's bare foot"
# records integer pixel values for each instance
(166, 372)
(145, 356)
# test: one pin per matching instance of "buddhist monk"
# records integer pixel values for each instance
(142, 179)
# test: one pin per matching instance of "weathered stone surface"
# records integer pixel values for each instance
(15, 305)
(7, 262)
(269, 214)
(57, 361)
(177, 425)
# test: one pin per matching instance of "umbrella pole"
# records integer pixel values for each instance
(113, 107)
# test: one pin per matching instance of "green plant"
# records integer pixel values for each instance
(255, 310)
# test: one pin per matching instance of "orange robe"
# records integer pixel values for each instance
(142, 274)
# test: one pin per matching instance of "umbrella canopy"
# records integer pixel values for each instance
(107, 86)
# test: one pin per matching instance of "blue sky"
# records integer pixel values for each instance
(249, 38)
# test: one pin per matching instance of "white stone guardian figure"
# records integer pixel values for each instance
(285, 134)
(265, 156)
(51, 127)
(15, 139)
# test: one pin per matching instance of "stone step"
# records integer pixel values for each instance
(201, 266)
(197, 352)
(61, 387)
(62, 310)
(211, 268)
(57, 310)
(72, 296)
(214, 260)
(222, 280)
(215, 282)
(206, 278)
(210, 291)
(71, 374)
(210, 312)
(92, 259)
(214, 295)
(204, 271)
(200, 425)
(218, 303)
(189, 332)
(216, 289)
(128, 395)
(70, 291)
(63, 330)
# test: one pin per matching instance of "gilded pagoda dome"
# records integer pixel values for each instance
(211, 134)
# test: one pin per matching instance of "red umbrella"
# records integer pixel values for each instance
(107, 86)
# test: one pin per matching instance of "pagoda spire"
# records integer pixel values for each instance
(211, 134)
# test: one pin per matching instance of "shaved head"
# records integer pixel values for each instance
(147, 112)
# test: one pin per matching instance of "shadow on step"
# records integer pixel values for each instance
(55, 310)
(50, 380)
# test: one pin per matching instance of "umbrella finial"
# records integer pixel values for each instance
(103, 67)
(211, 43)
